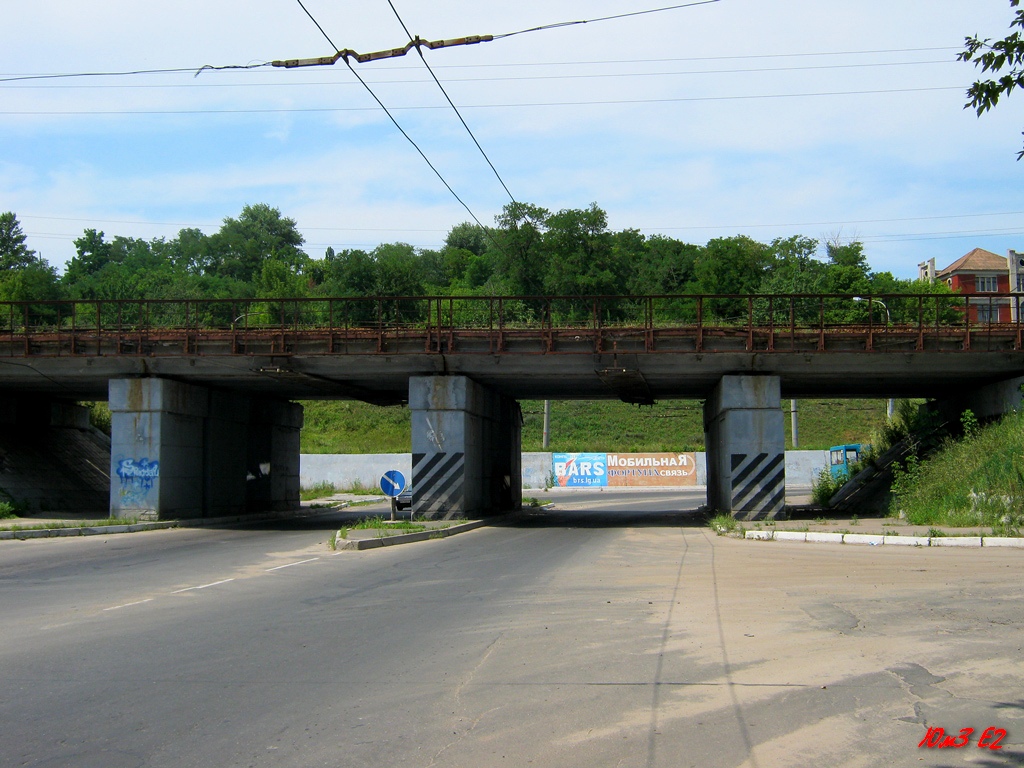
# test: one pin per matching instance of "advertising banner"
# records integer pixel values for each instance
(600, 470)
(580, 470)
(652, 469)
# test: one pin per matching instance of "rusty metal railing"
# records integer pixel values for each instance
(521, 324)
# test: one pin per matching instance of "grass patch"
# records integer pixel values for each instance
(317, 491)
(586, 425)
(102, 523)
(325, 489)
(384, 527)
(379, 522)
(976, 481)
(7, 510)
(724, 525)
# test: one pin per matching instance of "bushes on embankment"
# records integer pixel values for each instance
(977, 480)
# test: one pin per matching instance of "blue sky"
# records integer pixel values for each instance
(808, 117)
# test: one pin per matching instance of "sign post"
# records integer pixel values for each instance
(392, 483)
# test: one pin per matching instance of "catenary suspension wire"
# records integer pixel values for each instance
(418, 42)
(451, 103)
(559, 24)
(128, 73)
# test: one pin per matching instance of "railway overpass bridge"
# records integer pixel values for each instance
(202, 391)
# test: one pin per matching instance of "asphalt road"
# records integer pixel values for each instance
(610, 631)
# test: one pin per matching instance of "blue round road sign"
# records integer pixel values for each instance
(392, 482)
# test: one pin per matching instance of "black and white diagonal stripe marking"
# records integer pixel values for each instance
(758, 484)
(438, 483)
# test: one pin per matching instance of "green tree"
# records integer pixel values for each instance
(663, 266)
(36, 281)
(397, 270)
(468, 236)
(995, 56)
(190, 251)
(350, 273)
(14, 254)
(240, 247)
(848, 271)
(92, 252)
(580, 258)
(519, 258)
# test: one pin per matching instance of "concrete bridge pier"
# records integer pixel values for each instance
(466, 448)
(182, 451)
(746, 447)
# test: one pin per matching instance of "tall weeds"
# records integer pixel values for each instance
(977, 480)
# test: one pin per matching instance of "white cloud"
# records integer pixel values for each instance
(728, 144)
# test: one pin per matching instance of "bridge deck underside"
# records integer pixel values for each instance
(634, 364)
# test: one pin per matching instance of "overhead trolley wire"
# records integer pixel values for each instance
(396, 123)
(452, 104)
(317, 23)
(418, 43)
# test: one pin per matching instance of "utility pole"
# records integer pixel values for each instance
(546, 435)
(792, 416)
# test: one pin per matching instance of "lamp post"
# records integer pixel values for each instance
(888, 318)
(890, 409)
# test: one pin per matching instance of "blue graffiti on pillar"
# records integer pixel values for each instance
(137, 478)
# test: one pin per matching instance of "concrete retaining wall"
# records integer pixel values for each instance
(347, 470)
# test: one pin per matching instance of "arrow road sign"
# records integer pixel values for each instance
(392, 483)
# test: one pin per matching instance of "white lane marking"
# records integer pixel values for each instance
(201, 586)
(289, 565)
(128, 605)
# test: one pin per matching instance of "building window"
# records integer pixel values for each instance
(1020, 283)
(988, 313)
(986, 284)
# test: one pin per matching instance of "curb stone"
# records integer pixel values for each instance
(882, 540)
(101, 530)
(407, 538)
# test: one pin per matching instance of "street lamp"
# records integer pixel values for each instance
(888, 318)
(890, 408)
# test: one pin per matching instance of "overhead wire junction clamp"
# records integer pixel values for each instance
(362, 58)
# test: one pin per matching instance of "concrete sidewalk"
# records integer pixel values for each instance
(807, 524)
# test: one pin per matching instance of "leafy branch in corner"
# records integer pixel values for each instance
(994, 57)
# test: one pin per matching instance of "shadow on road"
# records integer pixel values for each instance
(604, 518)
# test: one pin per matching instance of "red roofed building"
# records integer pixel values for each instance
(989, 278)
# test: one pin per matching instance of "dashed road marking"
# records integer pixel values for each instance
(128, 605)
(201, 586)
(289, 565)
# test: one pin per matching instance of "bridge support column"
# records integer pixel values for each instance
(182, 451)
(466, 448)
(746, 447)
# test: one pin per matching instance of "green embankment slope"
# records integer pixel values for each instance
(672, 425)
(977, 480)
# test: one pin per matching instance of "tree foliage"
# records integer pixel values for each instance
(530, 252)
(14, 254)
(995, 56)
